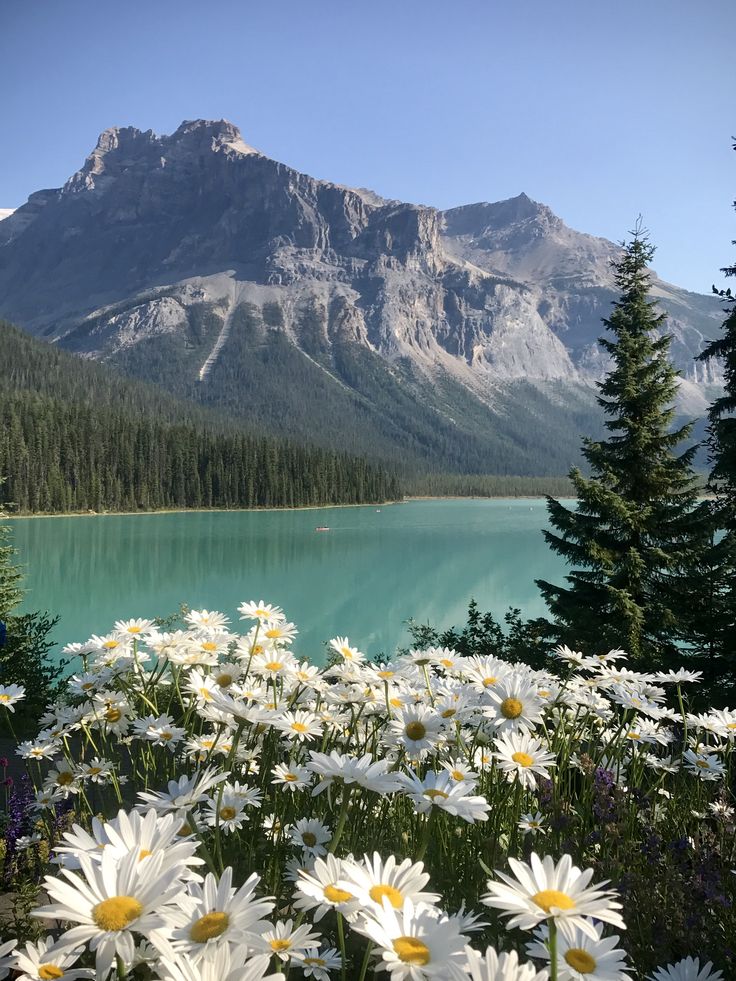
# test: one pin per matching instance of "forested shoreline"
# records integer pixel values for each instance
(76, 437)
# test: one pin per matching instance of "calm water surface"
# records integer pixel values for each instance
(373, 570)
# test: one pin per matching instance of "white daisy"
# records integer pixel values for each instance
(705, 765)
(415, 942)
(582, 958)
(319, 890)
(514, 704)
(291, 776)
(440, 790)
(260, 611)
(184, 792)
(521, 756)
(492, 966)
(10, 695)
(375, 881)
(311, 835)
(41, 961)
(287, 941)
(112, 900)
(219, 915)
(543, 889)
(317, 964)
(688, 969)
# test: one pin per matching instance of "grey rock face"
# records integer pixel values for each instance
(154, 230)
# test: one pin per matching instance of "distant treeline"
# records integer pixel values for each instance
(486, 485)
(75, 437)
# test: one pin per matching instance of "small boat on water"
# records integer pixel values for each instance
(321, 528)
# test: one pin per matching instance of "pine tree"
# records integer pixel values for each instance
(637, 529)
(10, 577)
(714, 624)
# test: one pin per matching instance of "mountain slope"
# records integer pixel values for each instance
(462, 340)
(74, 436)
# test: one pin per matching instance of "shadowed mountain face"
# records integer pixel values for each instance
(464, 339)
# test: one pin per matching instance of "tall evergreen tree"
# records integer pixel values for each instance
(714, 622)
(637, 529)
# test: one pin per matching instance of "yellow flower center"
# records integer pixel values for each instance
(335, 895)
(410, 950)
(65, 778)
(416, 730)
(346, 652)
(4, 698)
(184, 830)
(319, 961)
(549, 898)
(48, 971)
(291, 777)
(279, 945)
(134, 630)
(448, 713)
(580, 960)
(523, 759)
(386, 674)
(111, 644)
(395, 702)
(384, 891)
(87, 685)
(433, 794)
(731, 725)
(309, 839)
(208, 927)
(205, 694)
(143, 853)
(511, 708)
(227, 813)
(94, 770)
(703, 764)
(457, 775)
(113, 715)
(224, 680)
(299, 727)
(273, 666)
(116, 913)
(490, 680)
(273, 632)
(544, 692)
(209, 645)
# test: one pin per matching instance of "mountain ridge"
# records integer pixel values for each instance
(172, 243)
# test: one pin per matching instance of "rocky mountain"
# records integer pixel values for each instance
(464, 339)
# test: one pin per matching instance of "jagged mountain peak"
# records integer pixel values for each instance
(490, 217)
(196, 250)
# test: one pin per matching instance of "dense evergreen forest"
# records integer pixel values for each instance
(486, 485)
(74, 437)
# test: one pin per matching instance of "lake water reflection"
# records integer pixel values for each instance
(374, 568)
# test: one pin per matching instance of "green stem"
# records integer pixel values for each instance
(552, 950)
(366, 959)
(341, 820)
(426, 834)
(341, 937)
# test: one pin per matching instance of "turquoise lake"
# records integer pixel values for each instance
(368, 574)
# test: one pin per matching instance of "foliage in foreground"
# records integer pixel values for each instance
(220, 809)
(25, 644)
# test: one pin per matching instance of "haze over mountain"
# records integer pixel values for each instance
(463, 339)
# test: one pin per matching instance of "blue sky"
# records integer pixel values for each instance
(601, 110)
